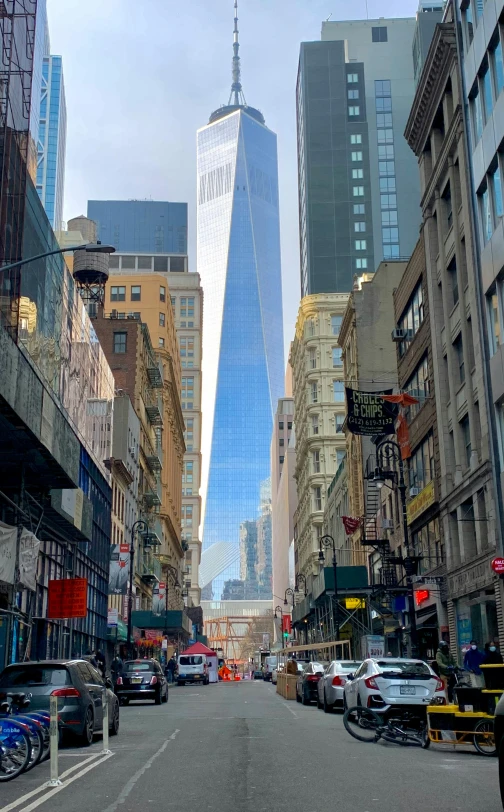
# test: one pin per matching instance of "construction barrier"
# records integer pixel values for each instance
(286, 685)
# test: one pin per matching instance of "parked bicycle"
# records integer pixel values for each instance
(405, 729)
(13, 716)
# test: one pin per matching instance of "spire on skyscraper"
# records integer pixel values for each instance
(236, 97)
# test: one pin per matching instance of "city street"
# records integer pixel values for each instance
(239, 746)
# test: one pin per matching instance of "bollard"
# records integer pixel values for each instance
(105, 706)
(54, 736)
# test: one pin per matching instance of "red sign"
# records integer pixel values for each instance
(421, 595)
(286, 623)
(498, 565)
(67, 598)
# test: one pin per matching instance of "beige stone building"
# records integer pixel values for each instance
(319, 415)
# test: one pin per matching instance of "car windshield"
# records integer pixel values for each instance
(34, 675)
(190, 660)
(138, 666)
(400, 668)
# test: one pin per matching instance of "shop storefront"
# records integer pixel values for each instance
(474, 604)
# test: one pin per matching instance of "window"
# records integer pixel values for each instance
(144, 263)
(354, 111)
(476, 112)
(359, 208)
(468, 25)
(117, 294)
(453, 278)
(338, 392)
(314, 393)
(289, 425)
(418, 386)
(459, 355)
(486, 214)
(382, 87)
(486, 81)
(336, 357)
(136, 292)
(310, 327)
(360, 245)
(281, 425)
(356, 138)
(359, 226)
(317, 498)
(358, 191)
(421, 469)
(412, 317)
(315, 424)
(161, 342)
(385, 136)
(386, 168)
(353, 94)
(312, 358)
(497, 64)
(281, 441)
(391, 251)
(316, 462)
(386, 152)
(361, 264)
(390, 234)
(162, 320)
(336, 324)
(494, 328)
(187, 475)
(389, 218)
(387, 184)
(356, 156)
(187, 307)
(384, 119)
(162, 293)
(186, 344)
(496, 186)
(357, 173)
(379, 34)
(388, 201)
(383, 105)
(479, 8)
(120, 340)
(187, 390)
(352, 78)
(339, 420)
(173, 300)
(281, 459)
(466, 438)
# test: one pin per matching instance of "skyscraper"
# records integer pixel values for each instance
(51, 144)
(239, 263)
(143, 226)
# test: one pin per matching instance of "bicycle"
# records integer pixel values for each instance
(366, 725)
(15, 749)
(39, 736)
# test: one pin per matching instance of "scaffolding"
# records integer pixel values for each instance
(229, 634)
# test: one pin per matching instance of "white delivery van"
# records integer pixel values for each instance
(192, 668)
(270, 663)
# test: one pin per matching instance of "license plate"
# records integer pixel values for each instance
(409, 690)
(136, 680)
(196, 676)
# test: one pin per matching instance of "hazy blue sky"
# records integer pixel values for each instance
(142, 75)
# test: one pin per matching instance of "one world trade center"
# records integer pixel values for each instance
(243, 364)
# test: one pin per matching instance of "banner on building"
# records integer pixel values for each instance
(286, 624)
(119, 569)
(350, 524)
(67, 598)
(8, 538)
(266, 641)
(368, 413)
(29, 547)
(159, 598)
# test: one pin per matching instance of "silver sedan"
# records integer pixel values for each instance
(330, 686)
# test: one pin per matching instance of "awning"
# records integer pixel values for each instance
(430, 621)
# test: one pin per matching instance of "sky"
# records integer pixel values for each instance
(141, 76)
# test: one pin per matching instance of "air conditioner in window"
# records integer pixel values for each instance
(113, 314)
(132, 449)
(414, 491)
(401, 334)
(387, 524)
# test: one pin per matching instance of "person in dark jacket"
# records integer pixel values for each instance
(100, 659)
(492, 655)
(472, 661)
(170, 669)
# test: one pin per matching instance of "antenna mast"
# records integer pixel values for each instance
(236, 96)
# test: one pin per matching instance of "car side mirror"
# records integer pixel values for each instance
(108, 683)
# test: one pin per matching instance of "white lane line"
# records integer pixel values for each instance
(133, 780)
(43, 786)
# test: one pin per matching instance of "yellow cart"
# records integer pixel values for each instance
(448, 725)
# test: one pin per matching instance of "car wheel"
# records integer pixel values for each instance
(86, 737)
(123, 700)
(304, 698)
(319, 703)
(166, 695)
(327, 708)
(114, 727)
(158, 698)
(298, 698)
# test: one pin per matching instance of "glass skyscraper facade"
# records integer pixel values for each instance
(243, 363)
(51, 143)
(141, 226)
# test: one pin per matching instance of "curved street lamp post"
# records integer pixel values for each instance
(139, 526)
(328, 541)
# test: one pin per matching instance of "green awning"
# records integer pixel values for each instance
(118, 633)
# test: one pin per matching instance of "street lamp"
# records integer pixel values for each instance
(142, 527)
(328, 541)
(90, 247)
(278, 609)
(388, 451)
(301, 579)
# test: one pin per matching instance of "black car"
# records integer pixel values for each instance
(258, 674)
(80, 689)
(307, 682)
(142, 679)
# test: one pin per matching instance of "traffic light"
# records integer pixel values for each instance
(286, 635)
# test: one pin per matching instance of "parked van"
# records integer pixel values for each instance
(270, 663)
(192, 668)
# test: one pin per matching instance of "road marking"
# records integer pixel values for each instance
(43, 786)
(133, 780)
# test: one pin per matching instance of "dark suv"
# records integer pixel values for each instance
(142, 679)
(307, 682)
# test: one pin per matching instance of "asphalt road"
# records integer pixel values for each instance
(241, 748)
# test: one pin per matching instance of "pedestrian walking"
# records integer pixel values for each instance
(472, 661)
(170, 669)
(100, 659)
(492, 655)
(445, 665)
(90, 657)
(116, 668)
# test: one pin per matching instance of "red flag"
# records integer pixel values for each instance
(403, 399)
(403, 439)
(350, 524)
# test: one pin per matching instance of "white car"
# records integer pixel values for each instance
(387, 682)
(276, 671)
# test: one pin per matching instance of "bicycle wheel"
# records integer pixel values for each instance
(15, 752)
(484, 740)
(363, 724)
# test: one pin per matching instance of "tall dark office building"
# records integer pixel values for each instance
(141, 226)
(335, 222)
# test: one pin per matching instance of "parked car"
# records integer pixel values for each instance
(258, 674)
(499, 742)
(142, 679)
(269, 664)
(307, 681)
(389, 682)
(330, 686)
(79, 688)
(192, 668)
